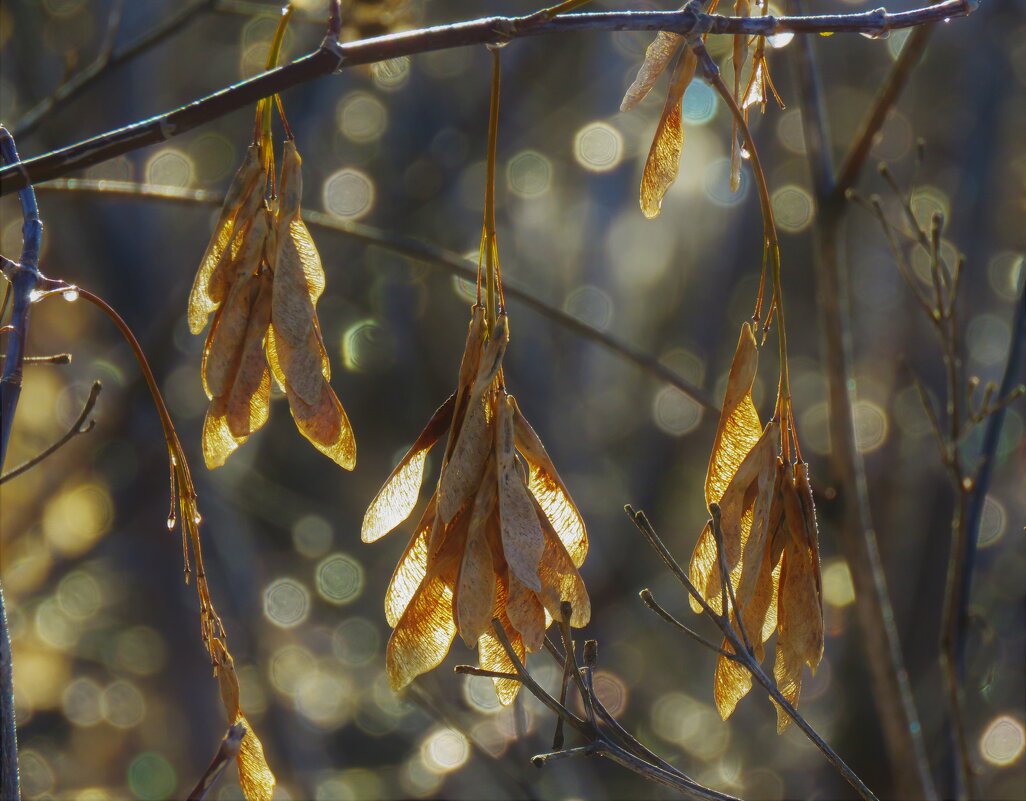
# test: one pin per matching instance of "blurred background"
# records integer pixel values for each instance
(113, 688)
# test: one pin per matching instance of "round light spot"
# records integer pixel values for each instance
(445, 750)
(79, 595)
(392, 74)
(122, 705)
(77, 518)
(694, 726)
(598, 147)
(1006, 273)
(479, 693)
(790, 133)
(348, 194)
(792, 207)
(288, 666)
(838, 589)
(151, 777)
(81, 702)
(992, 522)
(870, 426)
(312, 536)
(591, 306)
(54, 627)
(323, 698)
(361, 117)
(928, 201)
(354, 784)
(140, 650)
(367, 346)
(1003, 741)
(169, 167)
(286, 602)
(987, 338)
(355, 641)
(716, 181)
(611, 691)
(674, 412)
(35, 772)
(339, 579)
(529, 174)
(699, 105)
(782, 39)
(213, 156)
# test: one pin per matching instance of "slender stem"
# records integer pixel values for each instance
(412, 248)
(489, 240)
(333, 56)
(892, 691)
(9, 780)
(226, 752)
(78, 427)
(649, 601)
(746, 658)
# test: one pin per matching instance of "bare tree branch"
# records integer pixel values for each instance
(226, 752)
(333, 56)
(80, 426)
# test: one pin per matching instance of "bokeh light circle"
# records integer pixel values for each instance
(1003, 741)
(286, 602)
(598, 147)
(348, 194)
(339, 579)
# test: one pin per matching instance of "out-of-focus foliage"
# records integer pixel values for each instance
(113, 687)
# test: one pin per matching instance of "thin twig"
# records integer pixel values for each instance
(892, 692)
(649, 601)
(333, 56)
(745, 657)
(106, 61)
(226, 752)
(80, 426)
(412, 248)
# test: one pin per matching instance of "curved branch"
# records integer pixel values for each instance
(412, 248)
(333, 56)
(80, 426)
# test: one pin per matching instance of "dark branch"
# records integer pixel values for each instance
(226, 752)
(333, 56)
(80, 426)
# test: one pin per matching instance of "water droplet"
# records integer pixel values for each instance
(744, 153)
(172, 521)
(782, 39)
(197, 518)
(500, 45)
(877, 35)
(35, 295)
(70, 295)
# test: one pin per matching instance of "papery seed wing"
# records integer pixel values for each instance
(250, 396)
(663, 162)
(548, 489)
(787, 673)
(301, 366)
(255, 775)
(525, 614)
(325, 425)
(522, 539)
(218, 441)
(491, 654)
(292, 311)
(290, 196)
(561, 581)
(475, 594)
(398, 495)
(461, 475)
(738, 431)
(811, 529)
(425, 631)
(410, 571)
(801, 611)
(731, 683)
(757, 587)
(491, 356)
(225, 346)
(245, 182)
(657, 57)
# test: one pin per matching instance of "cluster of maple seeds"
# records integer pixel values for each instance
(770, 542)
(500, 537)
(261, 276)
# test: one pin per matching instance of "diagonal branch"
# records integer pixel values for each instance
(80, 426)
(333, 56)
(412, 248)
